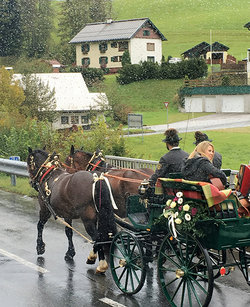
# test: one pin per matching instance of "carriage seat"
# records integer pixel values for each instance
(221, 204)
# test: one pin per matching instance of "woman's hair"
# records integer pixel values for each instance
(200, 149)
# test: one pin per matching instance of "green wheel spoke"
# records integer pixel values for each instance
(173, 262)
(120, 277)
(163, 269)
(166, 285)
(177, 289)
(194, 292)
(183, 293)
(198, 284)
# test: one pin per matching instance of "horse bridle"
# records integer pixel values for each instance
(95, 165)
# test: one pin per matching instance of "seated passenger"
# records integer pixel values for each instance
(199, 167)
(172, 161)
(200, 137)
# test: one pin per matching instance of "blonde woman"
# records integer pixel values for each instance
(199, 167)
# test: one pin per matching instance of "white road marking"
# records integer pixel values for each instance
(23, 261)
(110, 302)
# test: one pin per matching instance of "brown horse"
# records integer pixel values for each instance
(124, 182)
(69, 196)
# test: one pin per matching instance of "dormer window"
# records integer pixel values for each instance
(85, 48)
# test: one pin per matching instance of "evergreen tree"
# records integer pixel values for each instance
(39, 101)
(75, 14)
(36, 22)
(126, 58)
(10, 28)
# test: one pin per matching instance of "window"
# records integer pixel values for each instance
(85, 48)
(103, 47)
(151, 59)
(120, 58)
(74, 119)
(146, 33)
(85, 62)
(64, 120)
(150, 47)
(123, 46)
(114, 59)
(84, 119)
(114, 45)
(103, 60)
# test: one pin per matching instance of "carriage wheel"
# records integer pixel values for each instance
(218, 259)
(185, 271)
(127, 262)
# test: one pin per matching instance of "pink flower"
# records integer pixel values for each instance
(175, 199)
(180, 208)
(193, 211)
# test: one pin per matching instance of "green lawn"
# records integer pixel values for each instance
(188, 23)
(147, 98)
(233, 144)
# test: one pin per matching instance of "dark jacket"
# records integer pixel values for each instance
(171, 162)
(200, 168)
(217, 160)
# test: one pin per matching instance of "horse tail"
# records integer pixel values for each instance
(106, 218)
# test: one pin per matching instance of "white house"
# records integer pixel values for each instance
(73, 100)
(101, 45)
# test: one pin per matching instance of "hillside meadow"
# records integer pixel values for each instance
(232, 144)
(186, 23)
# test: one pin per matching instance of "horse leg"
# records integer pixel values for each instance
(103, 265)
(92, 231)
(40, 245)
(69, 233)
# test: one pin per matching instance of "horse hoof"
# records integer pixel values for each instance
(102, 267)
(90, 261)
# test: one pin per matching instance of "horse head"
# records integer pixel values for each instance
(38, 159)
(97, 161)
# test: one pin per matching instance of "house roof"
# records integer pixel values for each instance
(71, 92)
(203, 48)
(196, 50)
(247, 25)
(113, 30)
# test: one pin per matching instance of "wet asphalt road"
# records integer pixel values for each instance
(27, 280)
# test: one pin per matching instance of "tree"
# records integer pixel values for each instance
(39, 101)
(11, 97)
(126, 58)
(36, 24)
(10, 28)
(75, 14)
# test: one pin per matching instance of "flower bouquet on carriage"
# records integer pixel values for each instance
(183, 216)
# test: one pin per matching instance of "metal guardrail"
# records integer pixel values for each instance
(19, 168)
(12, 167)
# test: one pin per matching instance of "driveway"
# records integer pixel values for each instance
(208, 122)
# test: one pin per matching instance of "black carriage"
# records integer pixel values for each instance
(187, 262)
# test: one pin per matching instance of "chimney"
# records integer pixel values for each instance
(56, 68)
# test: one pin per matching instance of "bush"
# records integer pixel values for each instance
(90, 75)
(193, 69)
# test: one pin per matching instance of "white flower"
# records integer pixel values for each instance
(175, 215)
(173, 204)
(169, 202)
(178, 221)
(187, 217)
(166, 213)
(179, 194)
(180, 201)
(186, 207)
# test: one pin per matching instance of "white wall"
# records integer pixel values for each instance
(138, 50)
(218, 103)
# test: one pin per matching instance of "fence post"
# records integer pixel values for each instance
(13, 177)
